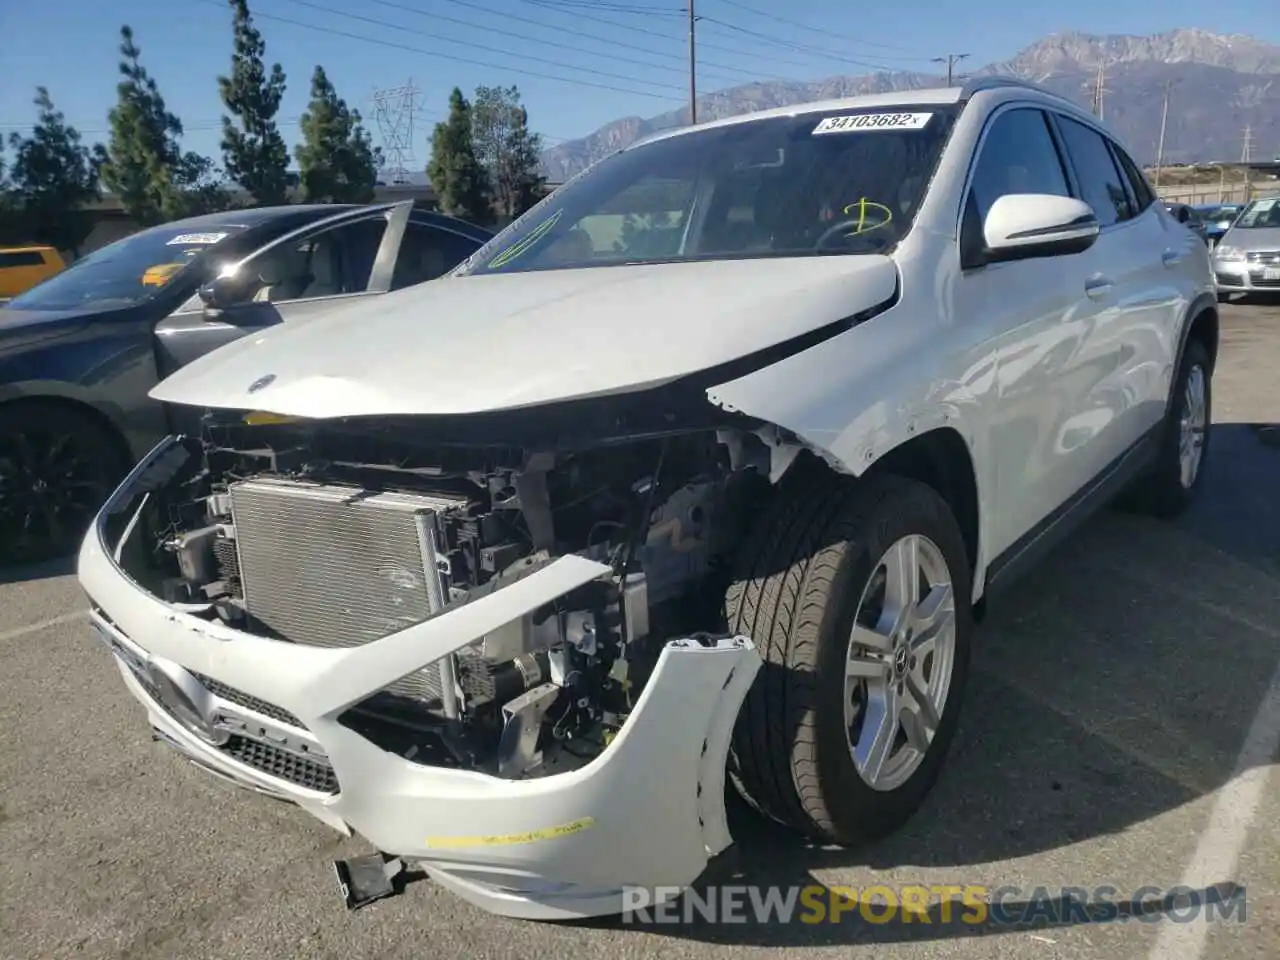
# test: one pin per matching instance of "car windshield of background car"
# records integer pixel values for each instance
(126, 272)
(1260, 215)
(835, 182)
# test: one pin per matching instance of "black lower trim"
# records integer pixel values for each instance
(1032, 547)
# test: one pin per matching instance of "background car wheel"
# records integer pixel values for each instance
(858, 597)
(1175, 478)
(57, 467)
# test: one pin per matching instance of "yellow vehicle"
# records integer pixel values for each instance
(21, 268)
(160, 274)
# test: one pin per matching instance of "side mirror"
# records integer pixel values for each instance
(1021, 226)
(222, 292)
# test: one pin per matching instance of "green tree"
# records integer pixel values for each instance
(54, 175)
(459, 179)
(507, 149)
(337, 160)
(254, 154)
(143, 163)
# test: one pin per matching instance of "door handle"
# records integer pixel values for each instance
(1096, 287)
(1170, 257)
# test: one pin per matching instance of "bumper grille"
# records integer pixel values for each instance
(241, 699)
(337, 566)
(308, 774)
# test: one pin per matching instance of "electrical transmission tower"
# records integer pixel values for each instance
(393, 111)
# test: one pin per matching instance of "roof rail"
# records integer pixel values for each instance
(999, 82)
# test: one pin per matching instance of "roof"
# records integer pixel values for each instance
(928, 96)
(933, 96)
(253, 216)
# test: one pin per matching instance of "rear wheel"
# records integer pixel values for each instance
(1175, 477)
(857, 595)
(57, 467)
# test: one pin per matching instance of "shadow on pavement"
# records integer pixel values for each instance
(40, 571)
(1115, 684)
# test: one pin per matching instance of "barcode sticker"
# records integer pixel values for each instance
(870, 122)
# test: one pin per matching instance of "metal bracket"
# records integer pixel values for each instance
(366, 879)
(518, 746)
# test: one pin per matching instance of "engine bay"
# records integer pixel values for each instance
(335, 533)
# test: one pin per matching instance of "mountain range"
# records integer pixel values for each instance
(1218, 85)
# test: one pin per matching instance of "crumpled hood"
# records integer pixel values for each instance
(483, 343)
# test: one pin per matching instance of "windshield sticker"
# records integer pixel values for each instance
(870, 122)
(186, 238)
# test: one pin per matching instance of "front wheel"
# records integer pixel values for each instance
(857, 594)
(57, 467)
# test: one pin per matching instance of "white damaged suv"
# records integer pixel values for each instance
(697, 475)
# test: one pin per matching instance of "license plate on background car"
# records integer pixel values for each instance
(1271, 273)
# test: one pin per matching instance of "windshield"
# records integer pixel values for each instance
(1260, 214)
(838, 182)
(126, 272)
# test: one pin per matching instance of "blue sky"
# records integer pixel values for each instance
(578, 63)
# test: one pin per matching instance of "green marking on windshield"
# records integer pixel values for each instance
(523, 245)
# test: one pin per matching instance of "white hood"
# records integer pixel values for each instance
(483, 343)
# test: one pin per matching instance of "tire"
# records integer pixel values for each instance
(797, 589)
(57, 467)
(1164, 491)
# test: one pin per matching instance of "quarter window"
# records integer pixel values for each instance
(1101, 185)
(1141, 189)
(1018, 156)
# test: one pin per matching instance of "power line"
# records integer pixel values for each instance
(524, 37)
(801, 47)
(392, 45)
(631, 28)
(475, 46)
(818, 30)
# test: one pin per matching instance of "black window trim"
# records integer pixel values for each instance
(1058, 115)
(1131, 170)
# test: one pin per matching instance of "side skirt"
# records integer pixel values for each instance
(1031, 548)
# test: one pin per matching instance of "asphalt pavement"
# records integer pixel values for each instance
(1120, 726)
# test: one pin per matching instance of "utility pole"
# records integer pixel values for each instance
(1099, 88)
(693, 68)
(1246, 157)
(1164, 121)
(951, 59)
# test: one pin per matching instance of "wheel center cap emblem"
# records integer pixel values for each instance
(900, 660)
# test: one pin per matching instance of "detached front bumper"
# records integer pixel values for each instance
(648, 811)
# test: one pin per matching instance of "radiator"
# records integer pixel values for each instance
(335, 566)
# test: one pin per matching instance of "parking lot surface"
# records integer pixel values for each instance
(1121, 721)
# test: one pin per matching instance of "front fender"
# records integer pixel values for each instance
(861, 394)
